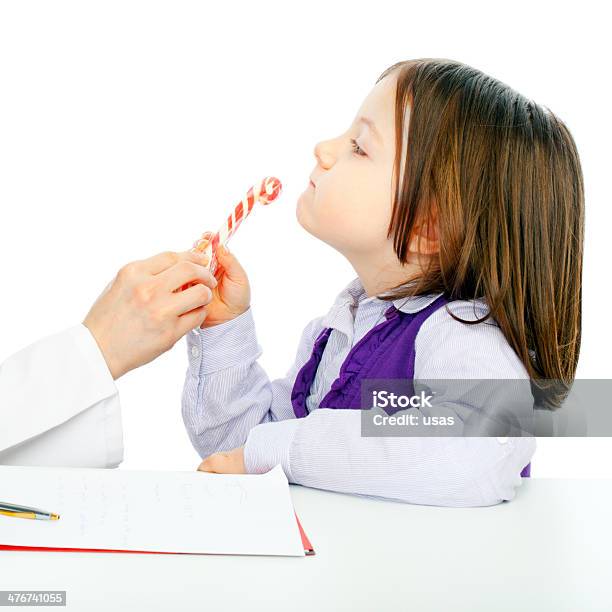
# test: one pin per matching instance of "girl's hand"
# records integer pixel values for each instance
(232, 296)
(229, 462)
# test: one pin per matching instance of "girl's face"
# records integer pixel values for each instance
(349, 205)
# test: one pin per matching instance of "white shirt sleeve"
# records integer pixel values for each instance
(325, 450)
(59, 405)
(226, 392)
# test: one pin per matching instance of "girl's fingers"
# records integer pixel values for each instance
(232, 268)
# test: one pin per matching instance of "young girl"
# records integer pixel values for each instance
(459, 204)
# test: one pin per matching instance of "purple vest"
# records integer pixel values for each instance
(387, 351)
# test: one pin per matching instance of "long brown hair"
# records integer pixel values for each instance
(507, 184)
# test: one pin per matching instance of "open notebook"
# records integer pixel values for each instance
(152, 511)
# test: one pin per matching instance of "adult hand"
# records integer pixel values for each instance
(142, 312)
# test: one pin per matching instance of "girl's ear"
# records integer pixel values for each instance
(425, 236)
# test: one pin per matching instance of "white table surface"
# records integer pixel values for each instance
(548, 549)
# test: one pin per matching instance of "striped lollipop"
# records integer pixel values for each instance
(267, 191)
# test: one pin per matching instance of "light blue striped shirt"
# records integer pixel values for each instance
(229, 401)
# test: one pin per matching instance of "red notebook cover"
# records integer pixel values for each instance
(308, 549)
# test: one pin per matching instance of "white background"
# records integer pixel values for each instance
(129, 128)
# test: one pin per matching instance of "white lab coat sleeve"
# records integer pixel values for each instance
(59, 405)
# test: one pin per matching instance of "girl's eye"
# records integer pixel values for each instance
(357, 149)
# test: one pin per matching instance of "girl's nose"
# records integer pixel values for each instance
(323, 153)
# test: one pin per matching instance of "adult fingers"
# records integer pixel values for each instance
(191, 320)
(163, 261)
(186, 272)
(203, 241)
(196, 296)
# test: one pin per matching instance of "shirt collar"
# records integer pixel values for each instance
(354, 294)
